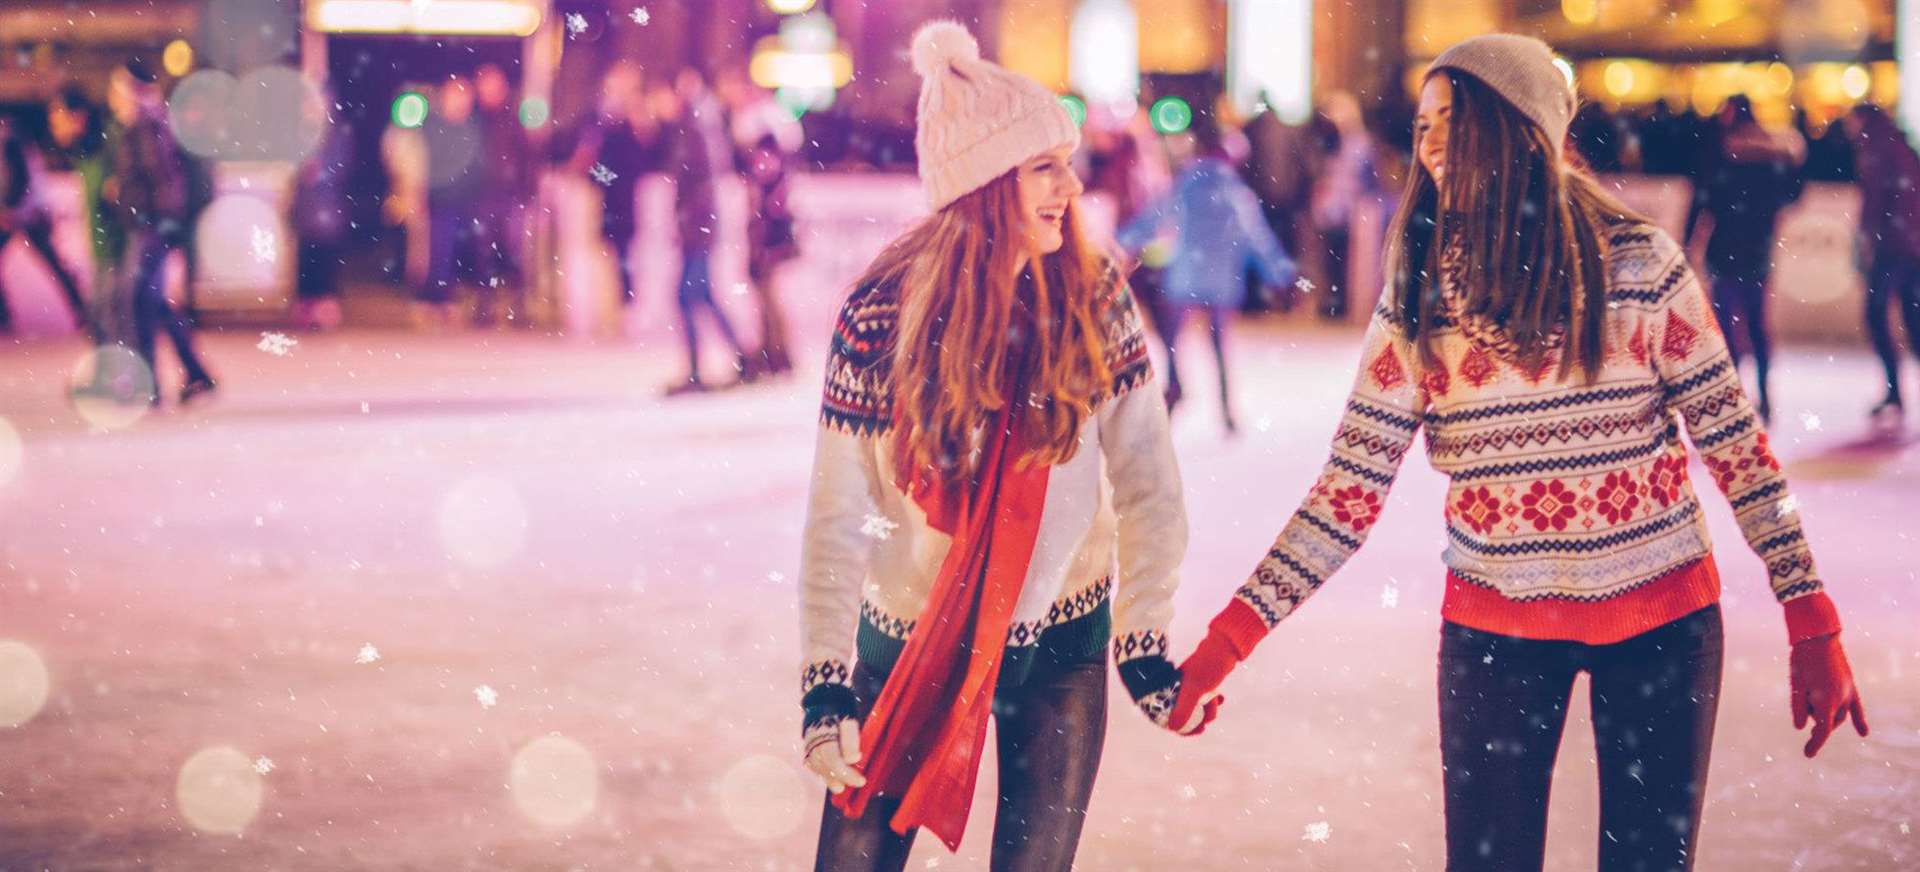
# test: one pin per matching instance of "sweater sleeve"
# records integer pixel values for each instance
(1382, 414)
(835, 554)
(1147, 498)
(1702, 385)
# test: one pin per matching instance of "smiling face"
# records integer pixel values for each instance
(1047, 186)
(1430, 126)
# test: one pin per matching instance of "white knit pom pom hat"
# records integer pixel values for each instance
(977, 120)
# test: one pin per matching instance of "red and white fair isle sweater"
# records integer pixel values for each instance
(1569, 512)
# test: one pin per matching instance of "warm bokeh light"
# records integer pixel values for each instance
(1619, 78)
(177, 58)
(482, 522)
(1855, 82)
(23, 683)
(219, 791)
(1580, 11)
(789, 7)
(554, 781)
(12, 452)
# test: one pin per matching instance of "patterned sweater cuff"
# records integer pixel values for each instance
(826, 690)
(1141, 659)
(1810, 617)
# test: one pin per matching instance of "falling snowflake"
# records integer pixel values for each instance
(1487, 659)
(263, 765)
(641, 16)
(1810, 421)
(576, 24)
(777, 577)
(1318, 832)
(1264, 424)
(264, 249)
(1389, 597)
(277, 344)
(486, 696)
(1188, 792)
(1788, 505)
(367, 654)
(1304, 284)
(601, 174)
(1905, 829)
(878, 527)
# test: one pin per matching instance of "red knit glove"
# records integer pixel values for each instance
(1230, 638)
(1823, 690)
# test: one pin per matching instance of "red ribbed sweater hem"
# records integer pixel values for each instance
(1663, 600)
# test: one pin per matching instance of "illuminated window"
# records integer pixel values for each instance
(1270, 55)
(1105, 51)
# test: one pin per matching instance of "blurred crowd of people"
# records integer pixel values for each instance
(461, 184)
(139, 193)
(1224, 216)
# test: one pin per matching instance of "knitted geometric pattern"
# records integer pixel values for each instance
(1557, 490)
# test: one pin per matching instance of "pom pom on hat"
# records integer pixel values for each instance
(976, 120)
(938, 44)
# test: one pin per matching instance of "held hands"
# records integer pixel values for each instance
(1201, 675)
(832, 746)
(1823, 690)
(1161, 706)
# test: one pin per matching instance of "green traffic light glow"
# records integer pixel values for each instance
(1076, 107)
(1171, 115)
(409, 109)
(534, 112)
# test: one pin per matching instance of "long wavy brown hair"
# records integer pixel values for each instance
(978, 332)
(1531, 229)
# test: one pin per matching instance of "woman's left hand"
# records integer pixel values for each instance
(1823, 690)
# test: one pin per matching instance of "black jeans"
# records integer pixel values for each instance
(1177, 315)
(151, 310)
(1049, 733)
(1893, 281)
(696, 294)
(1503, 705)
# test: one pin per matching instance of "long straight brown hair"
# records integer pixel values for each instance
(1531, 227)
(963, 297)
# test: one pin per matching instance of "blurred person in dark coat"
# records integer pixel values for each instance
(147, 192)
(24, 212)
(320, 222)
(697, 154)
(507, 186)
(1889, 243)
(1751, 176)
(766, 141)
(620, 144)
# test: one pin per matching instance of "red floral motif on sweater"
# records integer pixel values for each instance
(1355, 507)
(1680, 337)
(1619, 495)
(1548, 504)
(1477, 367)
(1386, 370)
(1665, 479)
(1479, 508)
(1724, 471)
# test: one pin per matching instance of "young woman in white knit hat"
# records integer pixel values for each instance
(1555, 346)
(995, 501)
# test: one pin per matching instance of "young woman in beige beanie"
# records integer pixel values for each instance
(995, 501)
(1554, 345)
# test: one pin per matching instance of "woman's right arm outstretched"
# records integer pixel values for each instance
(1376, 429)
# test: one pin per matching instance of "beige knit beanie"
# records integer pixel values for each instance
(1521, 70)
(977, 120)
